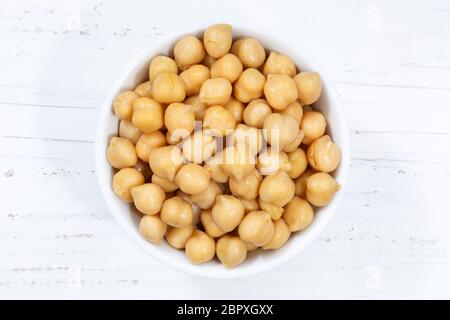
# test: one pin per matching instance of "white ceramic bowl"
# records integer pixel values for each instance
(260, 261)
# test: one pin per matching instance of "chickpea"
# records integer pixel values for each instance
(280, 236)
(250, 205)
(147, 115)
(271, 161)
(277, 189)
(294, 110)
(168, 88)
(300, 183)
(256, 112)
(217, 40)
(249, 136)
(152, 228)
(197, 106)
(165, 161)
(195, 210)
(208, 61)
(148, 198)
(200, 248)
(298, 162)
(193, 78)
(188, 51)
(247, 187)
(177, 237)
(323, 154)
(275, 211)
(279, 64)
(144, 89)
(308, 87)
(231, 251)
(215, 171)
(238, 161)
(250, 52)
(176, 137)
(210, 226)
(320, 189)
(207, 199)
(166, 185)
(215, 91)
(228, 67)
(121, 153)
(123, 105)
(199, 147)
(143, 168)
(161, 64)
(227, 212)
(280, 130)
(192, 179)
(219, 121)
(249, 86)
(124, 180)
(313, 126)
(280, 91)
(236, 108)
(296, 143)
(149, 141)
(179, 119)
(251, 246)
(176, 212)
(298, 214)
(257, 228)
(128, 131)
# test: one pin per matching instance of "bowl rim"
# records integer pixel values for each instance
(107, 192)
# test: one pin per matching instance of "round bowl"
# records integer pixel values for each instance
(260, 261)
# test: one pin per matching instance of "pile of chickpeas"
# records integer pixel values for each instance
(221, 150)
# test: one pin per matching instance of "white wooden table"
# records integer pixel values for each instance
(390, 61)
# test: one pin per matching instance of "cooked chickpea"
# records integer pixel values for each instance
(215, 171)
(249, 136)
(152, 228)
(249, 86)
(149, 141)
(227, 212)
(207, 199)
(144, 89)
(161, 64)
(197, 106)
(313, 126)
(218, 121)
(323, 154)
(257, 228)
(188, 51)
(193, 78)
(250, 205)
(199, 147)
(231, 251)
(280, 91)
(177, 237)
(279, 64)
(195, 210)
(217, 40)
(300, 183)
(251, 53)
(168, 88)
(280, 130)
(128, 131)
(143, 168)
(123, 105)
(210, 226)
(275, 211)
(247, 187)
(229, 67)
(215, 91)
(296, 143)
(256, 112)
(280, 236)
(121, 153)
(148, 198)
(166, 185)
(179, 118)
(294, 110)
(238, 161)
(176, 212)
(298, 162)
(200, 248)
(298, 214)
(148, 115)
(308, 87)
(165, 161)
(192, 179)
(124, 180)
(176, 137)
(320, 189)
(271, 161)
(277, 189)
(236, 108)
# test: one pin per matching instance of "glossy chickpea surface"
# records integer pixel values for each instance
(320, 189)
(123, 105)
(148, 198)
(256, 112)
(215, 91)
(193, 78)
(148, 115)
(168, 88)
(149, 141)
(128, 131)
(161, 64)
(323, 154)
(231, 251)
(188, 51)
(177, 212)
(121, 153)
(217, 40)
(228, 67)
(280, 91)
(192, 179)
(257, 228)
(313, 125)
(308, 86)
(200, 248)
(177, 237)
(227, 212)
(152, 228)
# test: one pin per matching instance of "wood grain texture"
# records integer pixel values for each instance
(390, 62)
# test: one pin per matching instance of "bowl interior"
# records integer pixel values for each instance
(256, 262)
